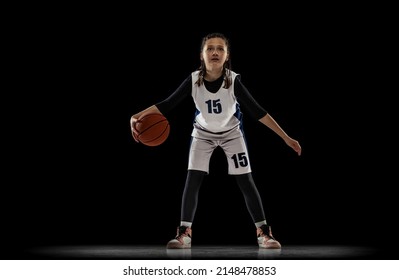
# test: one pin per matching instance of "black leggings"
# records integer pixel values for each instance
(245, 182)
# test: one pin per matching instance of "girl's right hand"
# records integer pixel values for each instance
(135, 133)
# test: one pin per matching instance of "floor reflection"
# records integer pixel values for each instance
(201, 252)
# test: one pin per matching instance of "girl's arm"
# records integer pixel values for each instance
(273, 125)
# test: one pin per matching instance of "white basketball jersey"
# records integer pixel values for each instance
(218, 112)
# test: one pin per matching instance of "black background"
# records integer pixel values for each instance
(77, 177)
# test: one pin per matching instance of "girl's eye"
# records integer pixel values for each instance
(218, 49)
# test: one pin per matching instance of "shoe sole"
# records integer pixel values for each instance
(270, 247)
(177, 247)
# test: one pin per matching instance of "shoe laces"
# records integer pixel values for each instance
(182, 231)
(265, 230)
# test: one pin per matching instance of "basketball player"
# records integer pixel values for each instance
(218, 94)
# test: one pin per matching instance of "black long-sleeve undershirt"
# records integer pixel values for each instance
(244, 98)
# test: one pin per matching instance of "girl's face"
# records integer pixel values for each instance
(215, 53)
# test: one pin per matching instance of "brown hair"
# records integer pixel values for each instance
(226, 65)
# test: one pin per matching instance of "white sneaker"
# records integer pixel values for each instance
(266, 239)
(182, 239)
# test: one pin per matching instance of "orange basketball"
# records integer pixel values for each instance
(153, 129)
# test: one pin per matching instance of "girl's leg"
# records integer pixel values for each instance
(255, 208)
(189, 206)
(190, 196)
(252, 198)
